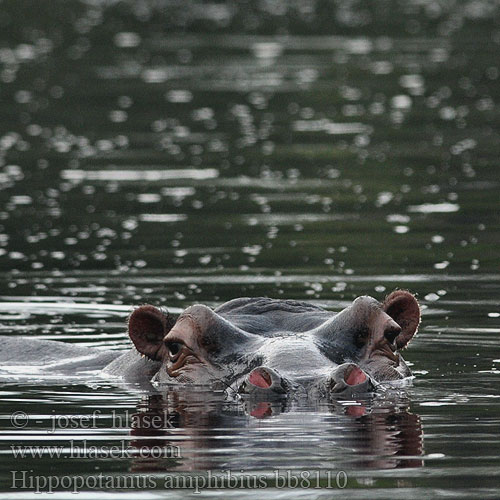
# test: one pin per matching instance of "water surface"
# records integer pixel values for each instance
(175, 153)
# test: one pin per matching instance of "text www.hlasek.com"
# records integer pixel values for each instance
(81, 449)
(27, 480)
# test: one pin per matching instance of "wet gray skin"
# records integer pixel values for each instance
(265, 347)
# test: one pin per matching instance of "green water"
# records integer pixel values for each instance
(191, 152)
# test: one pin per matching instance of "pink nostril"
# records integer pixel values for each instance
(262, 410)
(354, 376)
(355, 411)
(260, 378)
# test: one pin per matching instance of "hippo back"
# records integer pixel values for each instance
(270, 317)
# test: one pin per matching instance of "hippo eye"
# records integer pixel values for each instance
(174, 348)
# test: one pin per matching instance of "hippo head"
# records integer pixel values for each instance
(264, 346)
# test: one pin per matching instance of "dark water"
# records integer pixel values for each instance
(178, 152)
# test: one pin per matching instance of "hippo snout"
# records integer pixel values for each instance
(346, 380)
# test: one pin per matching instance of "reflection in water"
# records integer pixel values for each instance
(190, 152)
(366, 434)
(394, 438)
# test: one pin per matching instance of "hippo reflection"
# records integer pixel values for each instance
(266, 347)
(374, 432)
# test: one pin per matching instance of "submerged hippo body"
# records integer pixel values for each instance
(262, 346)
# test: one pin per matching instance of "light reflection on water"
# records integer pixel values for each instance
(171, 154)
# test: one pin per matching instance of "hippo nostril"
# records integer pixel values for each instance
(264, 382)
(354, 376)
(259, 377)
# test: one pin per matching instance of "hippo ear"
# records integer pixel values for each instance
(403, 308)
(147, 327)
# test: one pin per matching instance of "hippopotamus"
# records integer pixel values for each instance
(266, 346)
(259, 347)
